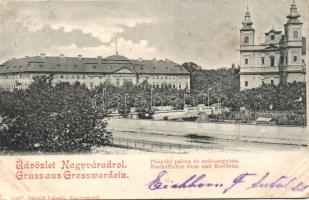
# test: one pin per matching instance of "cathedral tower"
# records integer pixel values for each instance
(247, 32)
(293, 65)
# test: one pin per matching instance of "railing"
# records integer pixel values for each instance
(279, 117)
(151, 146)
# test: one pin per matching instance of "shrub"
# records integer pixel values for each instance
(51, 118)
(283, 120)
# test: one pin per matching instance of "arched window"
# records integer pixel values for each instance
(246, 61)
(246, 40)
(295, 34)
(272, 61)
(295, 58)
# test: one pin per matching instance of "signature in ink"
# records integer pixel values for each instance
(193, 181)
(265, 182)
(248, 181)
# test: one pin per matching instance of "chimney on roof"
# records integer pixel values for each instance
(154, 59)
(100, 57)
(167, 60)
(61, 55)
(13, 58)
(80, 56)
(140, 59)
(27, 56)
(43, 55)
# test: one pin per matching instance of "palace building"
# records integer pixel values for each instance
(280, 59)
(116, 70)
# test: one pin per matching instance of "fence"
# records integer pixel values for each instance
(296, 118)
(152, 146)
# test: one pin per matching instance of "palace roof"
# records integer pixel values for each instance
(111, 64)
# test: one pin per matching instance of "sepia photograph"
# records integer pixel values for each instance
(137, 80)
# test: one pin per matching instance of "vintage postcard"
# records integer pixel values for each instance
(153, 99)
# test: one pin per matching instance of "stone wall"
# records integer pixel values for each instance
(243, 132)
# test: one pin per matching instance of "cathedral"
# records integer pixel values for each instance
(279, 59)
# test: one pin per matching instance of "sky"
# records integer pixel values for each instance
(205, 32)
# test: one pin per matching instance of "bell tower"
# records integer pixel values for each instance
(247, 32)
(293, 52)
(293, 38)
(293, 27)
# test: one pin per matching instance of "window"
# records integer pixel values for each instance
(263, 60)
(179, 86)
(295, 34)
(271, 82)
(246, 83)
(272, 37)
(286, 60)
(272, 61)
(246, 40)
(295, 58)
(91, 85)
(263, 83)
(246, 61)
(61, 76)
(281, 59)
(127, 81)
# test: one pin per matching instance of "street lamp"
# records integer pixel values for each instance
(125, 105)
(103, 93)
(208, 96)
(184, 100)
(203, 97)
(151, 91)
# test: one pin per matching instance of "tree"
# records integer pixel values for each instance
(49, 118)
(191, 67)
(283, 97)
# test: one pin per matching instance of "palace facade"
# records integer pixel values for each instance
(281, 58)
(116, 70)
